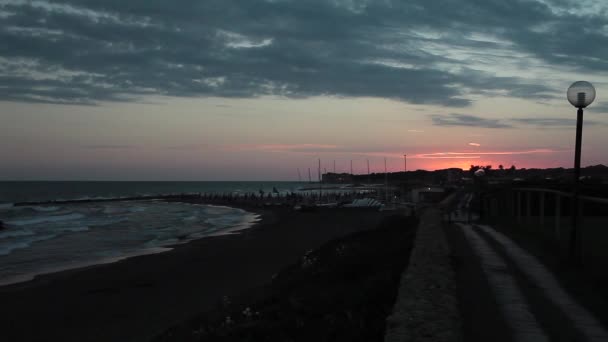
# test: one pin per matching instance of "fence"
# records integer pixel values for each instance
(548, 213)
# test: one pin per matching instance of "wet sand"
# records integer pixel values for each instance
(137, 298)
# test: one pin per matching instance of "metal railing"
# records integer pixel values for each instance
(548, 213)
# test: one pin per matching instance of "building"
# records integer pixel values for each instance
(427, 194)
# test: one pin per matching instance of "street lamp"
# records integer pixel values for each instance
(580, 94)
(404, 178)
(479, 175)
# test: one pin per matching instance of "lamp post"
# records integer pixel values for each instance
(404, 178)
(580, 94)
(479, 175)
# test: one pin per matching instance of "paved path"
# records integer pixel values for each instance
(506, 294)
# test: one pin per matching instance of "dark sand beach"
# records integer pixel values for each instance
(138, 298)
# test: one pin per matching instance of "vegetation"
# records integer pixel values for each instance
(342, 291)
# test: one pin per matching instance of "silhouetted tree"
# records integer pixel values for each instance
(474, 168)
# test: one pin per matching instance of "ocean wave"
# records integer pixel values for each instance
(73, 226)
(44, 209)
(218, 210)
(94, 198)
(75, 229)
(190, 218)
(4, 206)
(160, 242)
(115, 210)
(224, 221)
(37, 220)
(15, 233)
(106, 222)
(8, 248)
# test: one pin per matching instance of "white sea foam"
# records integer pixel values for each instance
(37, 220)
(75, 229)
(45, 209)
(7, 248)
(162, 242)
(14, 279)
(191, 218)
(223, 220)
(15, 233)
(91, 233)
(218, 210)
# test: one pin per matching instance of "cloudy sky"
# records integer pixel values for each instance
(253, 90)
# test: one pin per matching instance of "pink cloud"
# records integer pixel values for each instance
(295, 148)
(320, 148)
(463, 155)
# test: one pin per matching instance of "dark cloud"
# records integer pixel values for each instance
(188, 147)
(555, 122)
(601, 107)
(465, 120)
(547, 122)
(84, 52)
(455, 119)
(108, 147)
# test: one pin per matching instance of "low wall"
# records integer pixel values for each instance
(426, 308)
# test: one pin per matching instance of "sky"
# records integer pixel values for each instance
(257, 90)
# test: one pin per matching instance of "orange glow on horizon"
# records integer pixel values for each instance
(463, 160)
(441, 164)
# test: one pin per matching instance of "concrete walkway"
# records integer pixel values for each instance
(502, 286)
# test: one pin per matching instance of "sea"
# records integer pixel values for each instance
(40, 239)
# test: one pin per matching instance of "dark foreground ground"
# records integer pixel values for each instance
(342, 291)
(139, 298)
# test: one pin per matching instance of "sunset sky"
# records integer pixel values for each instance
(254, 90)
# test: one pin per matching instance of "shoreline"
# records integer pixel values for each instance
(26, 278)
(138, 297)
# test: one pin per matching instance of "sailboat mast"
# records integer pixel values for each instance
(299, 175)
(368, 179)
(320, 181)
(385, 182)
